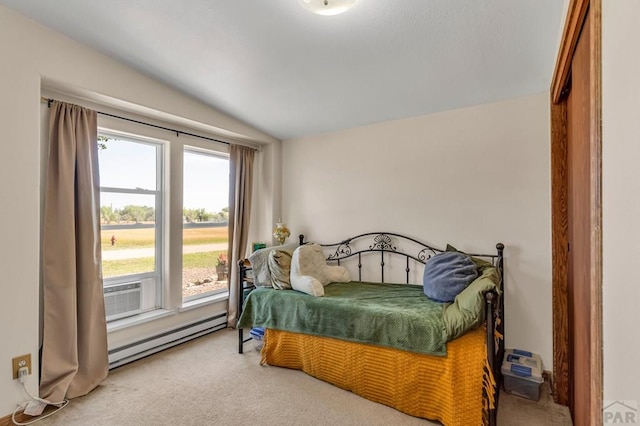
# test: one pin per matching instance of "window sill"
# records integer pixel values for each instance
(161, 313)
(203, 301)
(138, 319)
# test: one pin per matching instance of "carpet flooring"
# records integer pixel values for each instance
(206, 382)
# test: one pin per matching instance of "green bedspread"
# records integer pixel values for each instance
(393, 315)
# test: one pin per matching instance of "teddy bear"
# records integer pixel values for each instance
(310, 272)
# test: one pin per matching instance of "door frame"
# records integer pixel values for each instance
(576, 15)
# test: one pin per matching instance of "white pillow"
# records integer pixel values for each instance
(310, 272)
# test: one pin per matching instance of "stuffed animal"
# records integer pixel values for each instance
(310, 272)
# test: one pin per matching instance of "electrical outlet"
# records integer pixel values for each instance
(19, 362)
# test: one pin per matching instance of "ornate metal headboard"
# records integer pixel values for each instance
(397, 245)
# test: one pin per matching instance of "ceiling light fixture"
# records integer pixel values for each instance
(327, 7)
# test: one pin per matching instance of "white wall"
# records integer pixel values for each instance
(621, 201)
(31, 55)
(470, 177)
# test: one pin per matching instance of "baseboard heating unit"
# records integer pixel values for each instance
(150, 345)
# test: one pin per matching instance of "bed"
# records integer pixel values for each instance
(365, 336)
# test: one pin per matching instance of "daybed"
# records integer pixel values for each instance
(388, 342)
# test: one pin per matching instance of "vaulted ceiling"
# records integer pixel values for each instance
(290, 73)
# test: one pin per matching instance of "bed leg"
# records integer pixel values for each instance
(491, 353)
(241, 277)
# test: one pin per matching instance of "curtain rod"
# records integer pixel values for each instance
(177, 132)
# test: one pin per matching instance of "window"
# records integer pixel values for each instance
(205, 268)
(144, 223)
(131, 210)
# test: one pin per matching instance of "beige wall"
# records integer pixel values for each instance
(621, 198)
(33, 56)
(19, 227)
(470, 177)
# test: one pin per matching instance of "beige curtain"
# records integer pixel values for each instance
(74, 347)
(240, 187)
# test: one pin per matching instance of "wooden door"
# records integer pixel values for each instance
(577, 215)
(579, 223)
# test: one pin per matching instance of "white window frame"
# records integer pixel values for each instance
(171, 302)
(159, 201)
(210, 153)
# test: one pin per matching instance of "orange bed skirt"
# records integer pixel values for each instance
(447, 389)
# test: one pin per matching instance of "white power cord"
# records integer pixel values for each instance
(23, 374)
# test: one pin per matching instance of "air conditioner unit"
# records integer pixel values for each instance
(130, 298)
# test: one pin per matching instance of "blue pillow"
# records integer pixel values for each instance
(447, 274)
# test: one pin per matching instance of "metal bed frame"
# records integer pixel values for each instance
(418, 252)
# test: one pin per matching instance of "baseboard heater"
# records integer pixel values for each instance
(145, 347)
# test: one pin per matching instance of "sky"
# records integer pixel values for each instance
(126, 164)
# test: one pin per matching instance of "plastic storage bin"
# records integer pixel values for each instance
(522, 373)
(257, 334)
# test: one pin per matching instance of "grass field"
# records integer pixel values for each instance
(114, 268)
(141, 238)
(144, 238)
